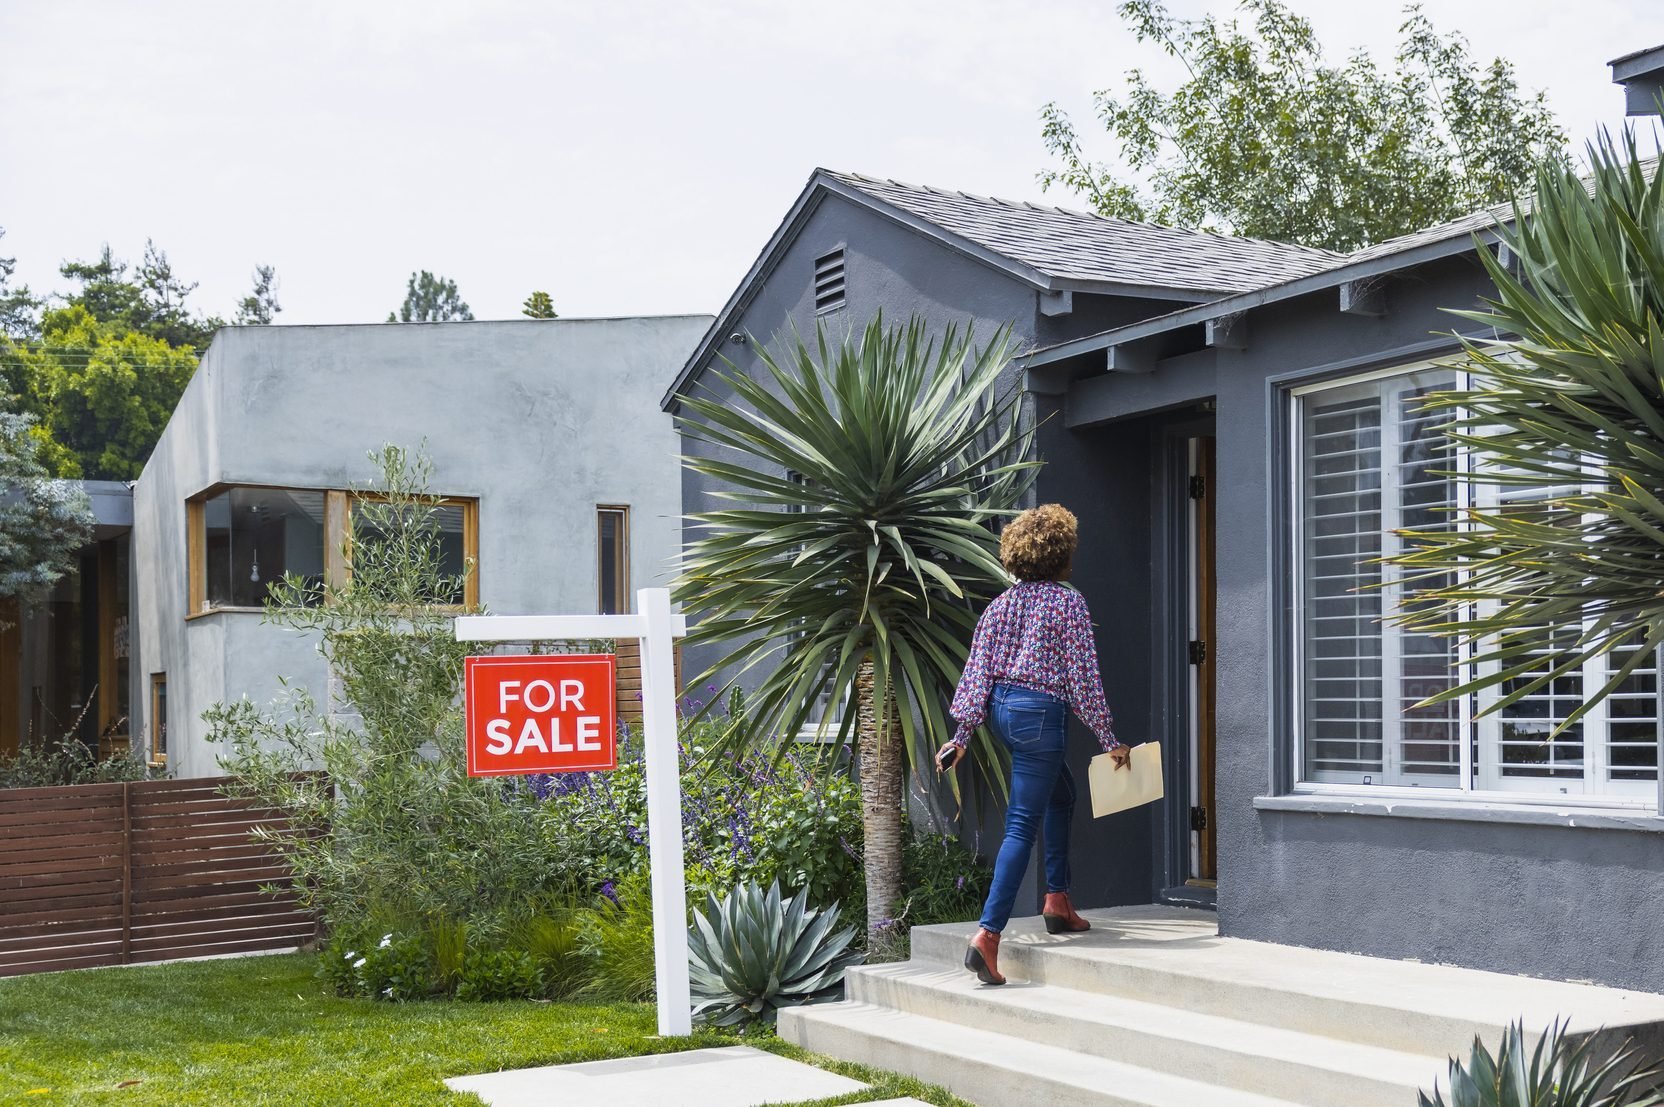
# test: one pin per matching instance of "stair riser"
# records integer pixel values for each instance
(1217, 1063)
(984, 1084)
(1355, 1021)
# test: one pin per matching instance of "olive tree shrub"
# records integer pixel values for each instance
(394, 828)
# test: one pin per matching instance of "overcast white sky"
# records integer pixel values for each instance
(629, 157)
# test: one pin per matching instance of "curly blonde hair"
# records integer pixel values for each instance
(1039, 544)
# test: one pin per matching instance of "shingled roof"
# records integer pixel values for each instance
(1077, 246)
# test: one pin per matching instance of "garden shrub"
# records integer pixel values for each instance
(481, 885)
(494, 974)
(47, 763)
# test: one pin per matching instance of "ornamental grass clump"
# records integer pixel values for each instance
(755, 952)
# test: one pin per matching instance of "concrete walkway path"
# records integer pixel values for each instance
(727, 1076)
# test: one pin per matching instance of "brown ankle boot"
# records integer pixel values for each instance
(1060, 915)
(983, 956)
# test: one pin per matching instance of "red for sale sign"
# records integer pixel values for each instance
(548, 714)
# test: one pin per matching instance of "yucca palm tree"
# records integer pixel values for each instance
(863, 475)
(1569, 400)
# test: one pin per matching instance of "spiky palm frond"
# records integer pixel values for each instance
(864, 477)
(1572, 402)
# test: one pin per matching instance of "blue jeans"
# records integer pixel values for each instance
(1033, 726)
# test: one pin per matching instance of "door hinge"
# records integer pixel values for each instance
(1198, 652)
(1198, 487)
(1198, 818)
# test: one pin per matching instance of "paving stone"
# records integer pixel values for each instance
(727, 1076)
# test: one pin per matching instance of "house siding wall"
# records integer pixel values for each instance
(1560, 902)
(897, 271)
(540, 420)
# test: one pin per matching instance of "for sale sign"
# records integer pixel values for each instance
(549, 714)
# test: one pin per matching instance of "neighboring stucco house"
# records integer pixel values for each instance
(560, 479)
(1236, 462)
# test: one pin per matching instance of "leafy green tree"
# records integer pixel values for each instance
(19, 308)
(1267, 138)
(430, 299)
(539, 306)
(101, 390)
(857, 551)
(44, 523)
(260, 306)
(1571, 404)
(150, 301)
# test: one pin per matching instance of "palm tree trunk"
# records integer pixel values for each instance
(882, 791)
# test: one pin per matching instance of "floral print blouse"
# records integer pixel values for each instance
(1036, 635)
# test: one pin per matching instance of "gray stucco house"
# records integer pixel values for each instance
(560, 481)
(1234, 422)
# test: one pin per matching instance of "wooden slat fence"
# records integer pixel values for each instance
(112, 874)
(629, 678)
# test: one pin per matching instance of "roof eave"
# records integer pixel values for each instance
(1231, 305)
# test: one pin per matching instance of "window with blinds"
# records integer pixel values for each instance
(1374, 471)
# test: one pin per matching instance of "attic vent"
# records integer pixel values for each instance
(829, 281)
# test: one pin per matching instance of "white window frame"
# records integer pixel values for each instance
(1481, 784)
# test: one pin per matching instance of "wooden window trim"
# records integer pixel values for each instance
(337, 544)
(622, 565)
(196, 559)
(156, 757)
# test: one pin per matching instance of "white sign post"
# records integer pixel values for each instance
(657, 629)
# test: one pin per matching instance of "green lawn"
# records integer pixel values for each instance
(263, 1030)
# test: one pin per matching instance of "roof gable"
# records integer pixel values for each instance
(1050, 248)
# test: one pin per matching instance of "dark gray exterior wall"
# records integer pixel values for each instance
(900, 272)
(1548, 900)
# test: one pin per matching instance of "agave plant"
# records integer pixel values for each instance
(1557, 1073)
(1571, 401)
(864, 475)
(755, 952)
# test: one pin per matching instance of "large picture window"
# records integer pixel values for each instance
(1372, 470)
(242, 540)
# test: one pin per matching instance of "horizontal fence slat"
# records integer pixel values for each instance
(286, 920)
(224, 858)
(169, 953)
(16, 922)
(12, 909)
(184, 904)
(23, 884)
(22, 889)
(93, 803)
(207, 919)
(216, 819)
(95, 961)
(146, 887)
(22, 824)
(56, 791)
(63, 937)
(163, 838)
(207, 805)
(85, 845)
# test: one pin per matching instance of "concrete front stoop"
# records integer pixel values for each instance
(1151, 1008)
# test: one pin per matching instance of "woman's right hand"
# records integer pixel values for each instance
(948, 756)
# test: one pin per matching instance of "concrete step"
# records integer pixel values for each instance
(1175, 958)
(992, 1069)
(1226, 1052)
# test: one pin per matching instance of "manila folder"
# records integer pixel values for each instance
(1118, 789)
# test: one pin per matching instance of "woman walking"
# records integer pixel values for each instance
(1032, 660)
